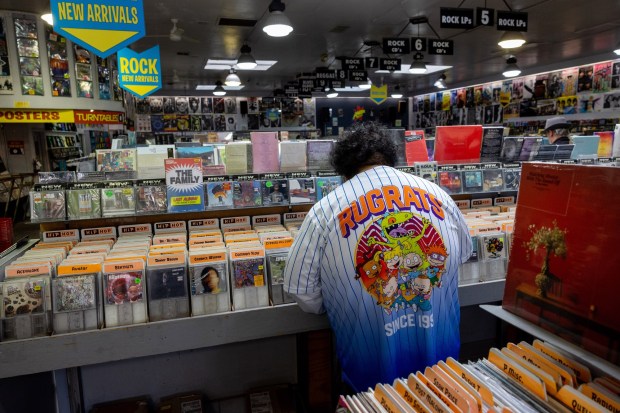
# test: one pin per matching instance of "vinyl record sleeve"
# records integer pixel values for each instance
(74, 292)
(123, 287)
(166, 282)
(22, 296)
(248, 272)
(208, 278)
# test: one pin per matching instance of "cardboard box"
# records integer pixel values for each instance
(181, 403)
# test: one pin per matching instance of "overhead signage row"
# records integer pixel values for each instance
(466, 18)
(419, 44)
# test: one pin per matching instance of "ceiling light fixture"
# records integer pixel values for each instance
(511, 40)
(511, 69)
(277, 24)
(48, 18)
(331, 93)
(418, 67)
(617, 50)
(440, 83)
(175, 77)
(232, 79)
(219, 90)
(246, 61)
(365, 86)
(396, 93)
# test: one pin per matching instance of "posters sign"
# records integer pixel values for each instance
(101, 26)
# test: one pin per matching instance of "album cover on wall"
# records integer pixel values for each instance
(206, 105)
(169, 105)
(182, 105)
(194, 105)
(156, 105)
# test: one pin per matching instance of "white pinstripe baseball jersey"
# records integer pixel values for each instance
(380, 254)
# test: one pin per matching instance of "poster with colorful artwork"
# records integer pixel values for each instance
(184, 185)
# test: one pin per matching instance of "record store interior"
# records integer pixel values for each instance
(278, 206)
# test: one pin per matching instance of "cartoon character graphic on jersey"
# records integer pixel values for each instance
(422, 290)
(400, 244)
(436, 256)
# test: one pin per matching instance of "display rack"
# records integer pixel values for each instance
(600, 366)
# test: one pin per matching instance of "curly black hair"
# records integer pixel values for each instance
(364, 144)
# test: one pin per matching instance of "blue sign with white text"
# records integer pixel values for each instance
(139, 73)
(101, 26)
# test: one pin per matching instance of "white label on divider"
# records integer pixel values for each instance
(483, 202)
(171, 226)
(294, 216)
(504, 200)
(62, 235)
(463, 204)
(200, 224)
(235, 221)
(135, 229)
(102, 232)
(266, 219)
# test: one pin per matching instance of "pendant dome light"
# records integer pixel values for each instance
(277, 24)
(511, 69)
(246, 61)
(232, 79)
(219, 90)
(511, 40)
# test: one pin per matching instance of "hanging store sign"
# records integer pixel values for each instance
(36, 116)
(98, 117)
(453, 18)
(323, 76)
(396, 45)
(305, 88)
(418, 44)
(140, 73)
(443, 47)
(485, 17)
(512, 21)
(389, 64)
(371, 62)
(353, 63)
(101, 26)
(378, 94)
(358, 75)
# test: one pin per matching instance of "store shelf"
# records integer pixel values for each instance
(481, 293)
(99, 346)
(142, 340)
(600, 366)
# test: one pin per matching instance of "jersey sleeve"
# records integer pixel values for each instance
(302, 274)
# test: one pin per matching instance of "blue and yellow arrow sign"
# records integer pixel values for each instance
(101, 26)
(139, 73)
(378, 94)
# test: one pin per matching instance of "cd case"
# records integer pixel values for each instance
(325, 185)
(275, 192)
(74, 293)
(302, 190)
(151, 199)
(247, 194)
(118, 201)
(219, 194)
(83, 203)
(209, 278)
(47, 205)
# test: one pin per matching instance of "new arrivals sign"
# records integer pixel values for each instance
(139, 73)
(101, 26)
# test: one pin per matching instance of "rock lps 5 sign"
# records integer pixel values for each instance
(101, 26)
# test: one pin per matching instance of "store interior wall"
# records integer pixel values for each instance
(21, 132)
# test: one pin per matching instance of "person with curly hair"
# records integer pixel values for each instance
(353, 260)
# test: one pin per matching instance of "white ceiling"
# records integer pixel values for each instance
(561, 33)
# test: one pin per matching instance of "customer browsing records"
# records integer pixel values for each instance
(380, 255)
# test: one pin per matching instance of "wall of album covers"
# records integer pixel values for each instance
(586, 89)
(41, 69)
(157, 114)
